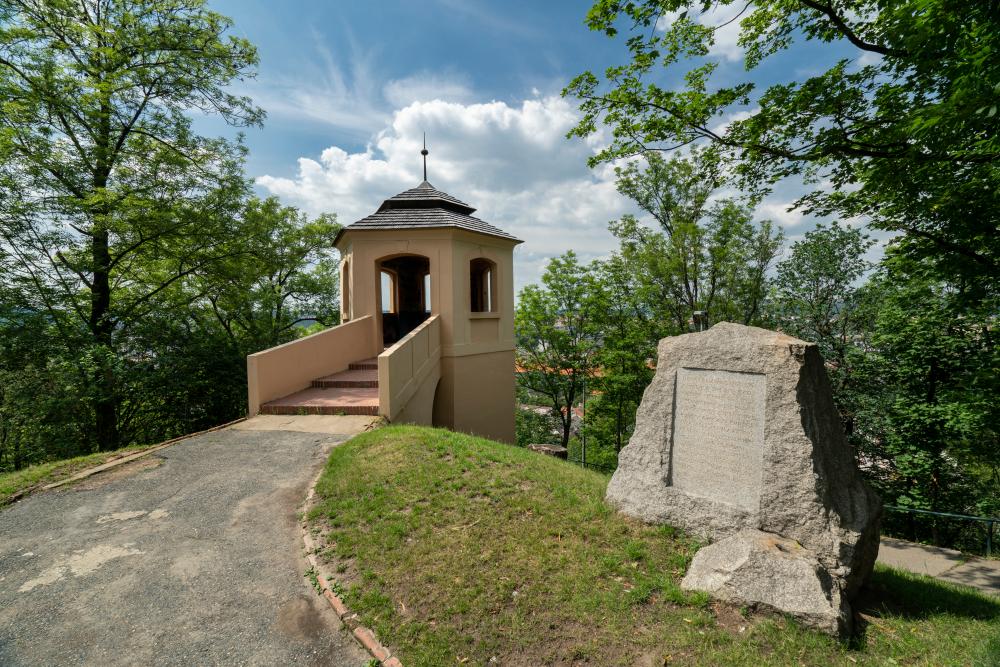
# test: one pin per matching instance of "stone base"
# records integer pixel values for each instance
(738, 429)
(763, 569)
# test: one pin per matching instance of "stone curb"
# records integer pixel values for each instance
(364, 635)
(128, 458)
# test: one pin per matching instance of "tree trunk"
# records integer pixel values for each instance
(618, 427)
(101, 327)
(101, 324)
(567, 424)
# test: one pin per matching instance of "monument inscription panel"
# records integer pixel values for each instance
(718, 435)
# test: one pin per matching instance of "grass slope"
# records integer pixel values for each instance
(459, 550)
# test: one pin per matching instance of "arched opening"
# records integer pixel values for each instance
(387, 280)
(427, 292)
(405, 295)
(482, 277)
(345, 292)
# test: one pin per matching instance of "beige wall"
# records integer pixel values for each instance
(408, 373)
(291, 367)
(476, 391)
(476, 395)
(420, 408)
(449, 252)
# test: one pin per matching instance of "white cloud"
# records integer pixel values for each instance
(726, 21)
(512, 162)
(780, 212)
(427, 86)
(733, 116)
(869, 58)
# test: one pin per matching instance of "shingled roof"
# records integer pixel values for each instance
(425, 193)
(425, 207)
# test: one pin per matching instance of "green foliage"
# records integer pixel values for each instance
(628, 347)
(280, 274)
(532, 427)
(107, 197)
(819, 296)
(906, 132)
(313, 578)
(932, 420)
(707, 255)
(912, 358)
(597, 451)
(136, 271)
(557, 335)
(816, 291)
(913, 367)
(904, 135)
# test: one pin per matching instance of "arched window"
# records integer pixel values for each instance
(482, 274)
(345, 291)
(403, 293)
(388, 291)
(427, 292)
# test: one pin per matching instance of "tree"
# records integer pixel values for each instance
(557, 335)
(932, 430)
(905, 130)
(625, 358)
(181, 367)
(107, 197)
(43, 407)
(819, 297)
(707, 256)
(531, 427)
(280, 274)
(911, 367)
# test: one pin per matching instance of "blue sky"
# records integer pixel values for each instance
(349, 87)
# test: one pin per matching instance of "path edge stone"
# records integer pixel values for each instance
(364, 635)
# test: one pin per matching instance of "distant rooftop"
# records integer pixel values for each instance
(426, 207)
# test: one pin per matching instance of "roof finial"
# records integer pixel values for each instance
(424, 153)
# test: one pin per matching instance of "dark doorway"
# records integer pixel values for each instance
(406, 303)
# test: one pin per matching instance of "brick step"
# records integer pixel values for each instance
(326, 401)
(353, 378)
(364, 365)
(371, 410)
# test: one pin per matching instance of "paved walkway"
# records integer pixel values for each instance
(944, 564)
(190, 555)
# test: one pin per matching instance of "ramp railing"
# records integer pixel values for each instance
(407, 366)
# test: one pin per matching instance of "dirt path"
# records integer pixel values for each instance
(188, 556)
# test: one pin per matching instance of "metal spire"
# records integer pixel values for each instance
(424, 153)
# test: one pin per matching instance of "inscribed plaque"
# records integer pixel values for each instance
(718, 439)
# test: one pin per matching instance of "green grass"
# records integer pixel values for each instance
(34, 477)
(457, 550)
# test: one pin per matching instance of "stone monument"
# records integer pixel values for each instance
(738, 441)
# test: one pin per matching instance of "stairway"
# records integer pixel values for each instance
(350, 392)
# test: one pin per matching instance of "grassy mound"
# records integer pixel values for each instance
(459, 550)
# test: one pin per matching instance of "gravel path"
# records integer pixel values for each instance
(945, 564)
(191, 555)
